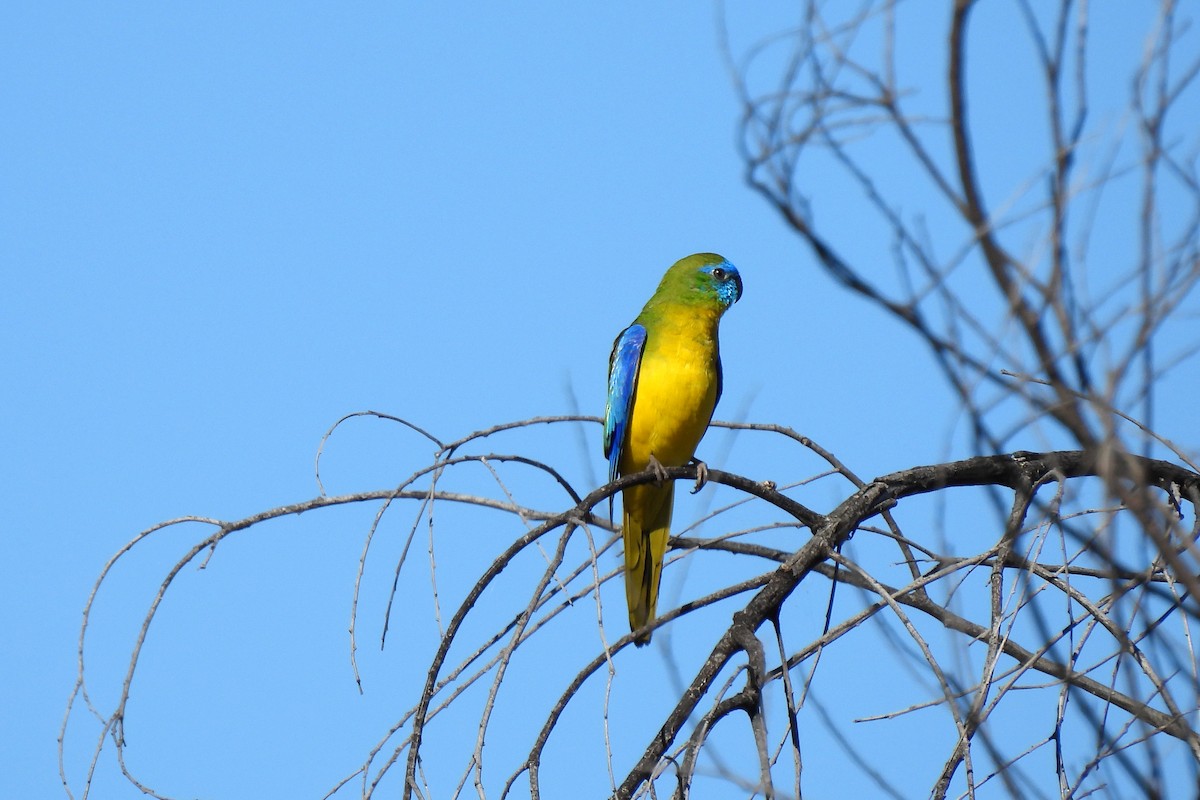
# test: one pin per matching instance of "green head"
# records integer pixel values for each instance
(704, 279)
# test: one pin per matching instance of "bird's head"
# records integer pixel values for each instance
(705, 278)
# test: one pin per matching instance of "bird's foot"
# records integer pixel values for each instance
(701, 475)
(660, 471)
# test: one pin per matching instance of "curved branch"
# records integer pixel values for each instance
(1021, 469)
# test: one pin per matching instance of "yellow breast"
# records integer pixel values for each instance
(676, 394)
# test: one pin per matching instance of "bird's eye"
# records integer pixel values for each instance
(718, 274)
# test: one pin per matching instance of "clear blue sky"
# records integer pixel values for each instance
(223, 226)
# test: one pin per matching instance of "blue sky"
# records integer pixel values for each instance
(225, 226)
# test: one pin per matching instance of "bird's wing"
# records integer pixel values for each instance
(622, 383)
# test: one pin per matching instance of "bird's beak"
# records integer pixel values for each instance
(738, 282)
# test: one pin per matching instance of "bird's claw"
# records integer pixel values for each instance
(701, 475)
(660, 472)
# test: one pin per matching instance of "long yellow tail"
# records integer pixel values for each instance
(647, 510)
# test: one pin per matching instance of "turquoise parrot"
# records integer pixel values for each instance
(664, 380)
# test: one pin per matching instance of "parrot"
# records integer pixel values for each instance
(664, 381)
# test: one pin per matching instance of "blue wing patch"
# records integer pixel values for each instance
(622, 383)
